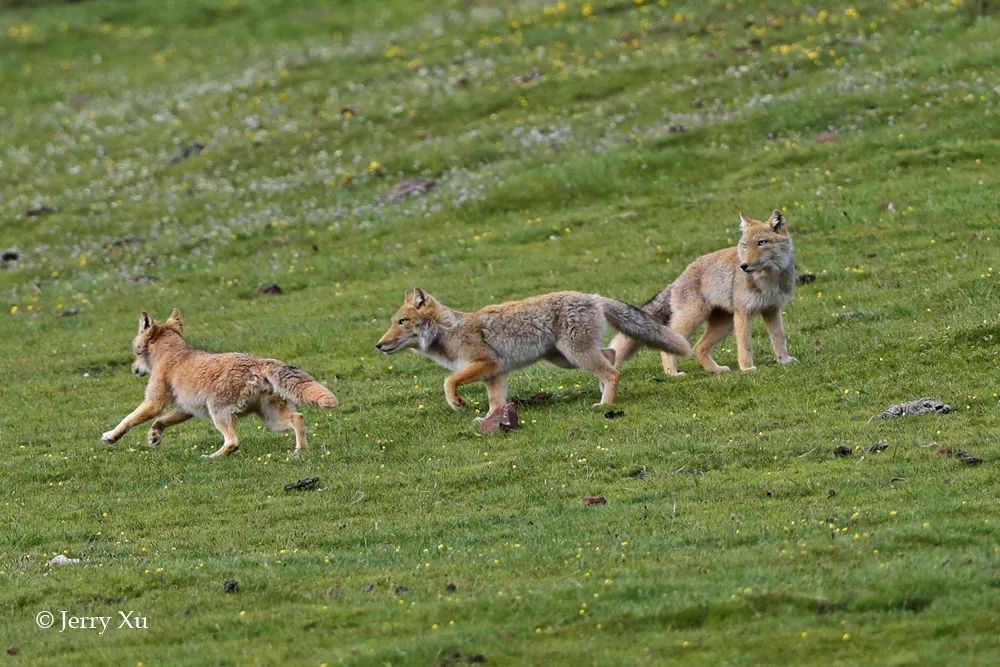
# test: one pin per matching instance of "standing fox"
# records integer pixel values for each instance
(220, 387)
(727, 288)
(563, 328)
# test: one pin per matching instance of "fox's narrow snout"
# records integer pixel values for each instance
(391, 346)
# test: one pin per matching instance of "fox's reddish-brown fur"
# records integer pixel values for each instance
(220, 387)
(563, 328)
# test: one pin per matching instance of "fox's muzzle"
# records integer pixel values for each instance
(395, 340)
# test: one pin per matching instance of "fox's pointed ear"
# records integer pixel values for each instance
(145, 321)
(416, 297)
(777, 220)
(744, 221)
(175, 317)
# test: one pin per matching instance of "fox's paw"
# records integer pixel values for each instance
(218, 454)
(749, 369)
(722, 369)
(154, 438)
(678, 374)
(108, 437)
(787, 360)
(456, 403)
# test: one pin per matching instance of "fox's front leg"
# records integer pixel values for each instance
(147, 410)
(474, 372)
(776, 330)
(744, 341)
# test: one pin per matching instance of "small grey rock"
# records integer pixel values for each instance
(921, 406)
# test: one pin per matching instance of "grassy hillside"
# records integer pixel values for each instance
(161, 154)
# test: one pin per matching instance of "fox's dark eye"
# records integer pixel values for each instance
(403, 320)
(761, 242)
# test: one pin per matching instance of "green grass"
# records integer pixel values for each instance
(647, 130)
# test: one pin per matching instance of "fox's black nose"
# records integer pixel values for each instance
(744, 266)
(378, 346)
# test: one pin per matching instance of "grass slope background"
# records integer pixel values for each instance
(185, 153)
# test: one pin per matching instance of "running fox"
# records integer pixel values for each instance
(563, 328)
(220, 387)
(727, 288)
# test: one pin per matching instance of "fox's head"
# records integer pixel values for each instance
(413, 324)
(151, 336)
(764, 245)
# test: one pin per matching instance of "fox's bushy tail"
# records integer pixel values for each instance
(659, 305)
(294, 384)
(647, 329)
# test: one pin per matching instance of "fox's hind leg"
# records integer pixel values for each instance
(280, 416)
(610, 354)
(684, 322)
(299, 424)
(226, 423)
(172, 418)
(719, 324)
(621, 348)
(600, 363)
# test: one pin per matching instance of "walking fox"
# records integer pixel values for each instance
(727, 288)
(563, 328)
(220, 387)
